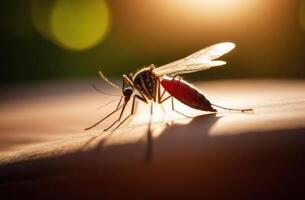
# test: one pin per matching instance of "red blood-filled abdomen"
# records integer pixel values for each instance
(186, 93)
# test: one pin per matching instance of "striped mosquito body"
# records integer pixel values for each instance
(148, 81)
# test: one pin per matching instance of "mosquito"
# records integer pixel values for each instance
(148, 81)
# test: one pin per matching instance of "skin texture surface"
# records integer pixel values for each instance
(45, 154)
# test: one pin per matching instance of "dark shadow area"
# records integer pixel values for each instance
(186, 163)
(202, 123)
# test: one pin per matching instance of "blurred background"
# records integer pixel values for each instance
(73, 39)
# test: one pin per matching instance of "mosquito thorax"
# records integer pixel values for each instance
(145, 81)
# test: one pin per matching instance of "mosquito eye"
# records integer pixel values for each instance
(128, 91)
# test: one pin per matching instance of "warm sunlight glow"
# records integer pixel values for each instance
(302, 14)
(215, 8)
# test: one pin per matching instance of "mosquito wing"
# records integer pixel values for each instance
(200, 60)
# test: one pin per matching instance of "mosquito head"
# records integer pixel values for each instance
(127, 92)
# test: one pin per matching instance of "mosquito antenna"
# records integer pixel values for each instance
(235, 109)
(100, 91)
(110, 102)
(109, 82)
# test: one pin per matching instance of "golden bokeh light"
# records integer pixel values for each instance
(72, 24)
(79, 24)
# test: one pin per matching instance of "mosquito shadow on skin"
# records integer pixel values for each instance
(198, 128)
(88, 142)
(149, 144)
(100, 137)
(202, 123)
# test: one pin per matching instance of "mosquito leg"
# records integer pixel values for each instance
(166, 98)
(119, 123)
(164, 112)
(94, 125)
(160, 96)
(124, 106)
(173, 108)
(151, 108)
(119, 103)
(131, 113)
(156, 88)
